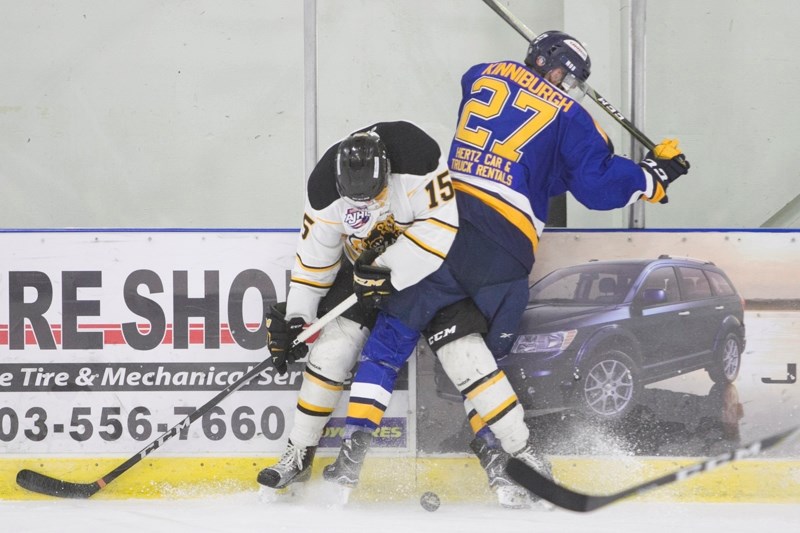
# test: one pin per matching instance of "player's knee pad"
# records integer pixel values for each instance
(489, 397)
(335, 352)
(466, 361)
(454, 322)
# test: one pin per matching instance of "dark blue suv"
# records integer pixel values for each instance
(594, 334)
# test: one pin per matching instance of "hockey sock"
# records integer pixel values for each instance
(369, 396)
(315, 404)
(385, 352)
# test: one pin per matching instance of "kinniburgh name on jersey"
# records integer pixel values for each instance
(520, 141)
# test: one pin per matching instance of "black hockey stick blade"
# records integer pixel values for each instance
(572, 500)
(36, 482)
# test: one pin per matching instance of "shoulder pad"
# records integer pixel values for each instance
(411, 150)
(321, 185)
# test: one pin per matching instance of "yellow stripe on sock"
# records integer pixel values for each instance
(485, 385)
(366, 412)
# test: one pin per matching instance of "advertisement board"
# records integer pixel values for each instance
(718, 286)
(108, 339)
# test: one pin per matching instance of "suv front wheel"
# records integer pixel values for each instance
(727, 360)
(609, 385)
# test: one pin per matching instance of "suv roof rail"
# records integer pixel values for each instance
(693, 259)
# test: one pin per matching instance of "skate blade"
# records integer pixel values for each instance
(344, 492)
(542, 505)
(339, 488)
(285, 494)
(335, 495)
(512, 497)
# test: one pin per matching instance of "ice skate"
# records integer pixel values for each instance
(346, 469)
(539, 463)
(493, 460)
(286, 478)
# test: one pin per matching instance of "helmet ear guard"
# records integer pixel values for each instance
(362, 166)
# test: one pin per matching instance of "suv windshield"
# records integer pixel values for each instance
(592, 284)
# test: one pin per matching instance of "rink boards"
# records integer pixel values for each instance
(108, 338)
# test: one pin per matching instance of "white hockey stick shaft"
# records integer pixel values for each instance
(331, 315)
(512, 20)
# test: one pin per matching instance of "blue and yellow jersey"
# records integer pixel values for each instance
(520, 141)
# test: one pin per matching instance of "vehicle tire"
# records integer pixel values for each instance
(727, 360)
(609, 385)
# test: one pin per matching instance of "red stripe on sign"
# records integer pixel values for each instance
(113, 336)
(225, 336)
(196, 335)
(112, 333)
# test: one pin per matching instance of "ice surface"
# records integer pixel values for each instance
(242, 513)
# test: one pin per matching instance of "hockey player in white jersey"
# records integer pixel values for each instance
(382, 185)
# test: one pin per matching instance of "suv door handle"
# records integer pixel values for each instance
(719, 307)
(684, 313)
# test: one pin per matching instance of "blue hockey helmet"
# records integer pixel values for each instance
(556, 49)
(362, 166)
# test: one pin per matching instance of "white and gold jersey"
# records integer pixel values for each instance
(417, 212)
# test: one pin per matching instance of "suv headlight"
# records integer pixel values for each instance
(544, 342)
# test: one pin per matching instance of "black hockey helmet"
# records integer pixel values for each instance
(554, 49)
(362, 166)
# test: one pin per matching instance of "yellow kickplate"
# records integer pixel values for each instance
(749, 480)
(391, 479)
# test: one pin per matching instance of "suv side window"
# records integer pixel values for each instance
(663, 278)
(694, 284)
(721, 286)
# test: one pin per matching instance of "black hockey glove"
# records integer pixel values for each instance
(371, 283)
(664, 163)
(280, 337)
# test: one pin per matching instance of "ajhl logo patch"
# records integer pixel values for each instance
(356, 218)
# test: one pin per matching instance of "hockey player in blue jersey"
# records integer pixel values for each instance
(521, 138)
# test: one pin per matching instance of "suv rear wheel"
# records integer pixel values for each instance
(727, 360)
(609, 385)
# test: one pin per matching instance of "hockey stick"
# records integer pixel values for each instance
(580, 502)
(528, 34)
(44, 484)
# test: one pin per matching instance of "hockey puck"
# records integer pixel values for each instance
(430, 501)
